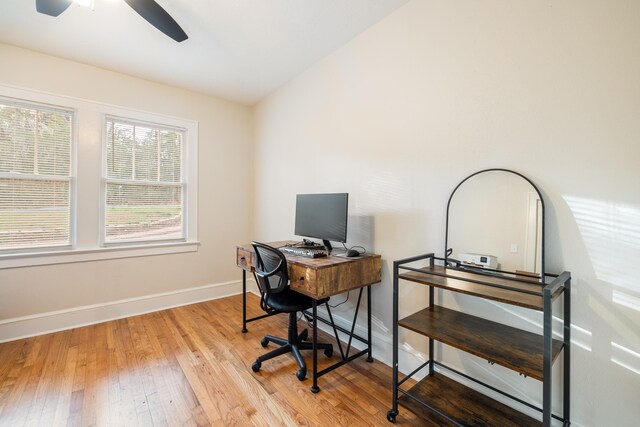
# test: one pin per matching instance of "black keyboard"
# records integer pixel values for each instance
(307, 251)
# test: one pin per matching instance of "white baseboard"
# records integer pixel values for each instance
(53, 321)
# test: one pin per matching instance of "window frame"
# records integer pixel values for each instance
(184, 170)
(86, 187)
(48, 107)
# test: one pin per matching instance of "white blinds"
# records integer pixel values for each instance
(144, 186)
(35, 176)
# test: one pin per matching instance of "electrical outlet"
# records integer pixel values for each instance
(514, 248)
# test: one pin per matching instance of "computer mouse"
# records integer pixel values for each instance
(351, 253)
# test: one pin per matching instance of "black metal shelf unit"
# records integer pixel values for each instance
(441, 400)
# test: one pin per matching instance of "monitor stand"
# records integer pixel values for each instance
(309, 244)
(327, 244)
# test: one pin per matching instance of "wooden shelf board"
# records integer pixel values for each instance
(459, 284)
(460, 403)
(507, 346)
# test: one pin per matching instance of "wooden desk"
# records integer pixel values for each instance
(320, 278)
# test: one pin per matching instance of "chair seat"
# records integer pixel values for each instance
(289, 301)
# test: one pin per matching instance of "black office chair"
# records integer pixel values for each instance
(272, 276)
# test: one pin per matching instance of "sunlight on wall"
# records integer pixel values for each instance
(579, 336)
(379, 324)
(409, 348)
(626, 299)
(625, 357)
(611, 234)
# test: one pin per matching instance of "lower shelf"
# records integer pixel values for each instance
(464, 406)
(518, 350)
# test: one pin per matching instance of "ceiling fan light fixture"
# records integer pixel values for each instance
(150, 10)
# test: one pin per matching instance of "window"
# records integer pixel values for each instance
(144, 190)
(35, 176)
(82, 181)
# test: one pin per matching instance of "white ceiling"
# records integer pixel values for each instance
(240, 50)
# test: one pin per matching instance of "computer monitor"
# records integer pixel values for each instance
(322, 216)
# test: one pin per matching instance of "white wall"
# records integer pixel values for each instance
(224, 194)
(440, 89)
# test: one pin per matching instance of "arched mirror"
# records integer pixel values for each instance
(495, 223)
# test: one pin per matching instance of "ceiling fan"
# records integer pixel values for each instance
(148, 9)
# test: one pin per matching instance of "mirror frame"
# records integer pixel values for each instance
(446, 235)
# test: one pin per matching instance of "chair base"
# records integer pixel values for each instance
(291, 346)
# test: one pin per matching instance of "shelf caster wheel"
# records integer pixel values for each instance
(315, 389)
(264, 342)
(245, 330)
(369, 359)
(328, 352)
(255, 367)
(301, 374)
(391, 416)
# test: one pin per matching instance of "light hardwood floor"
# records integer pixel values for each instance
(184, 366)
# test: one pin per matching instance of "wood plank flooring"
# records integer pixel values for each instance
(187, 366)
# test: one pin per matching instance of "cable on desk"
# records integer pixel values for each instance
(361, 249)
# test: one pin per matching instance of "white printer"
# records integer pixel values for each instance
(479, 260)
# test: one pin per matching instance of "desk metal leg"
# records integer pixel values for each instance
(369, 357)
(244, 301)
(314, 387)
(345, 357)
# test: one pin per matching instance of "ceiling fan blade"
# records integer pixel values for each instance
(52, 7)
(158, 17)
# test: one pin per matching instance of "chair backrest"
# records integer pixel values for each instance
(271, 271)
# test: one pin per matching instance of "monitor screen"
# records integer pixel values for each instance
(322, 216)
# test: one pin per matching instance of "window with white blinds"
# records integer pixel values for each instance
(35, 176)
(144, 187)
(81, 180)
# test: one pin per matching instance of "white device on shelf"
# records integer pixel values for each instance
(479, 260)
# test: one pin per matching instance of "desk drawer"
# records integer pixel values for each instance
(303, 279)
(335, 279)
(244, 259)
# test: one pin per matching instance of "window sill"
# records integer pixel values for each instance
(32, 259)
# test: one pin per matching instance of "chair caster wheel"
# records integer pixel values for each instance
(301, 374)
(303, 335)
(391, 416)
(264, 342)
(328, 352)
(255, 367)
